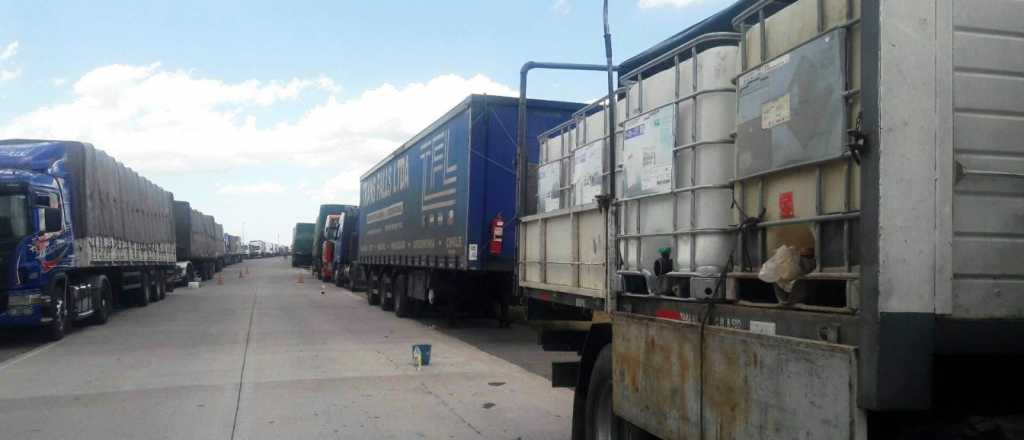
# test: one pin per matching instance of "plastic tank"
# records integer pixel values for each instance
(678, 160)
(798, 97)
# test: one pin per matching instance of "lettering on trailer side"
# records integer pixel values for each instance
(390, 179)
(439, 178)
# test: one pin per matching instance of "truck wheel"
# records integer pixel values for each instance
(373, 291)
(142, 294)
(154, 288)
(350, 279)
(601, 421)
(337, 278)
(387, 294)
(57, 328)
(161, 288)
(404, 305)
(104, 300)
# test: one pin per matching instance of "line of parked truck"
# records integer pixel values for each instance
(81, 233)
(794, 219)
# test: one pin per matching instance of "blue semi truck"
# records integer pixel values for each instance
(79, 233)
(436, 216)
(341, 248)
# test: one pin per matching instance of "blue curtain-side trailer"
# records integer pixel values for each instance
(437, 216)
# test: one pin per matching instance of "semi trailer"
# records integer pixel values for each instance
(435, 215)
(199, 246)
(807, 228)
(302, 244)
(326, 212)
(233, 252)
(80, 233)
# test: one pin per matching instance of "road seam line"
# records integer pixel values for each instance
(245, 357)
(450, 409)
(26, 355)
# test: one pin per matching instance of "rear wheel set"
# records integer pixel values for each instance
(405, 305)
(144, 293)
(600, 419)
(387, 294)
(373, 291)
(104, 300)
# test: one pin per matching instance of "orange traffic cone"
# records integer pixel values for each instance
(300, 281)
(220, 279)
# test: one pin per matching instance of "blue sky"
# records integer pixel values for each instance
(258, 111)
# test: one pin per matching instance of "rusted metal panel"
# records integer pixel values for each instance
(754, 386)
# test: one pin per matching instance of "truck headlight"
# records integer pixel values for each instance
(28, 300)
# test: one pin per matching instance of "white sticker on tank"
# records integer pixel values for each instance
(761, 327)
(775, 112)
(775, 64)
(472, 252)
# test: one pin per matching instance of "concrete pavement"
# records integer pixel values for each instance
(266, 358)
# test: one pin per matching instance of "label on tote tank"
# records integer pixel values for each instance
(775, 112)
(648, 144)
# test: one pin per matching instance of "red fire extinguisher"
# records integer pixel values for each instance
(497, 231)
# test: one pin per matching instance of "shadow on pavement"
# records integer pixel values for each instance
(516, 344)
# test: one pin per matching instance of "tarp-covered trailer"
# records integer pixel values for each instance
(436, 215)
(302, 244)
(198, 245)
(78, 232)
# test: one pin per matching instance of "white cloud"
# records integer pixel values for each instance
(7, 72)
(159, 119)
(252, 189)
(561, 6)
(9, 51)
(342, 188)
(7, 75)
(645, 4)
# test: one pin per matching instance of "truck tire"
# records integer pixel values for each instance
(104, 300)
(337, 278)
(61, 323)
(405, 307)
(601, 421)
(373, 291)
(142, 294)
(387, 294)
(161, 288)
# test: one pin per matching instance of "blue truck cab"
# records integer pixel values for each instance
(346, 249)
(36, 242)
(76, 229)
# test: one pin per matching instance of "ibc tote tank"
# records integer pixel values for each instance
(678, 164)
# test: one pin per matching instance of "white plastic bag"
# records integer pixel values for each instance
(783, 268)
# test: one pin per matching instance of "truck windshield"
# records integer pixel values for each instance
(13, 216)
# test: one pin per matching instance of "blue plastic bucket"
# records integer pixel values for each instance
(424, 354)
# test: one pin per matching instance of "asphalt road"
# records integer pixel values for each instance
(263, 357)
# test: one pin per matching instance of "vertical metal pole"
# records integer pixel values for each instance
(611, 262)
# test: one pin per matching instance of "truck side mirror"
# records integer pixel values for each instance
(53, 220)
